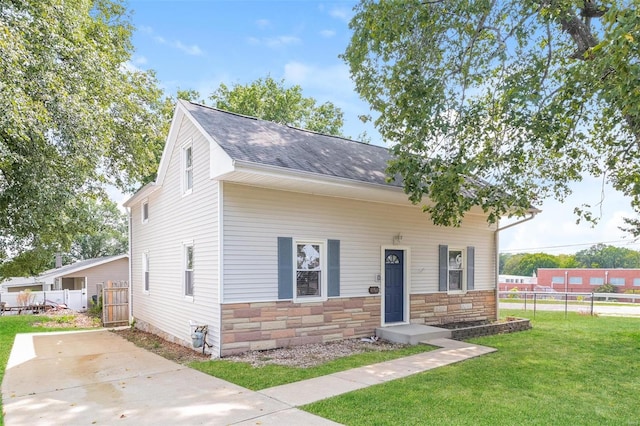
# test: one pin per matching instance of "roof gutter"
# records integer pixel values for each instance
(532, 212)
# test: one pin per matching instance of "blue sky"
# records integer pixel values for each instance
(200, 44)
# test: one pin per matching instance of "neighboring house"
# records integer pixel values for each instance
(18, 284)
(87, 274)
(587, 279)
(275, 236)
(83, 276)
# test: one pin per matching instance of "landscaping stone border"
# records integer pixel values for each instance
(511, 325)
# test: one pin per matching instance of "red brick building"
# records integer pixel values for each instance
(587, 280)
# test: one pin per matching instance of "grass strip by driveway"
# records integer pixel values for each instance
(256, 378)
(11, 325)
(581, 370)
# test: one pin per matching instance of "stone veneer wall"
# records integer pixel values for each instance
(268, 325)
(443, 308)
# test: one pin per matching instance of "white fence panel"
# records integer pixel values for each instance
(74, 299)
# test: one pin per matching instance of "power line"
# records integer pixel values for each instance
(628, 242)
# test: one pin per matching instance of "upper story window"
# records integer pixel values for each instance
(310, 270)
(187, 169)
(456, 270)
(596, 281)
(636, 281)
(575, 280)
(145, 211)
(188, 270)
(557, 280)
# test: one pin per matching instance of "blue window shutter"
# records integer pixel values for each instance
(443, 267)
(333, 268)
(471, 253)
(285, 268)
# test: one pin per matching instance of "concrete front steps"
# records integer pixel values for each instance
(412, 334)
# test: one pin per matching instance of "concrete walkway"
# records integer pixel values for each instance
(97, 377)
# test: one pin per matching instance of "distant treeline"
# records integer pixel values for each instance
(597, 256)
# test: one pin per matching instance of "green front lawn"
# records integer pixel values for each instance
(256, 378)
(577, 371)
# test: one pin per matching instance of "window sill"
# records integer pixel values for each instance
(313, 299)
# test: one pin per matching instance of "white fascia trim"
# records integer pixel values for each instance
(55, 274)
(141, 194)
(275, 171)
(178, 114)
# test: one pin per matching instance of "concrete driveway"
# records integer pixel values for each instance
(99, 378)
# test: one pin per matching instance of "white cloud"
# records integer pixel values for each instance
(139, 60)
(342, 13)
(192, 50)
(327, 33)
(333, 79)
(274, 42)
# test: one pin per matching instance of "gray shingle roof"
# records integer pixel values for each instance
(252, 140)
(82, 264)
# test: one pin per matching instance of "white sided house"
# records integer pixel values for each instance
(275, 236)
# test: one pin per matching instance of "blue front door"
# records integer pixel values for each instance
(393, 286)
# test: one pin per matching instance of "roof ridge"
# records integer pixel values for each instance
(344, 138)
(225, 111)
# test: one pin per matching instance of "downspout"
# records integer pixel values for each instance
(533, 212)
(129, 223)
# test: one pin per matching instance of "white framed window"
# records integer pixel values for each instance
(188, 269)
(596, 281)
(455, 265)
(575, 280)
(636, 281)
(187, 169)
(310, 269)
(145, 211)
(557, 280)
(145, 271)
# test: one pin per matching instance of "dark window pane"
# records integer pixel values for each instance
(308, 283)
(455, 280)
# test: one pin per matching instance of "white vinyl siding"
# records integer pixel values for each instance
(176, 220)
(117, 270)
(254, 218)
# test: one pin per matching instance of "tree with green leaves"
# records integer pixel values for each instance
(527, 96)
(105, 235)
(270, 100)
(606, 256)
(73, 117)
(526, 264)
